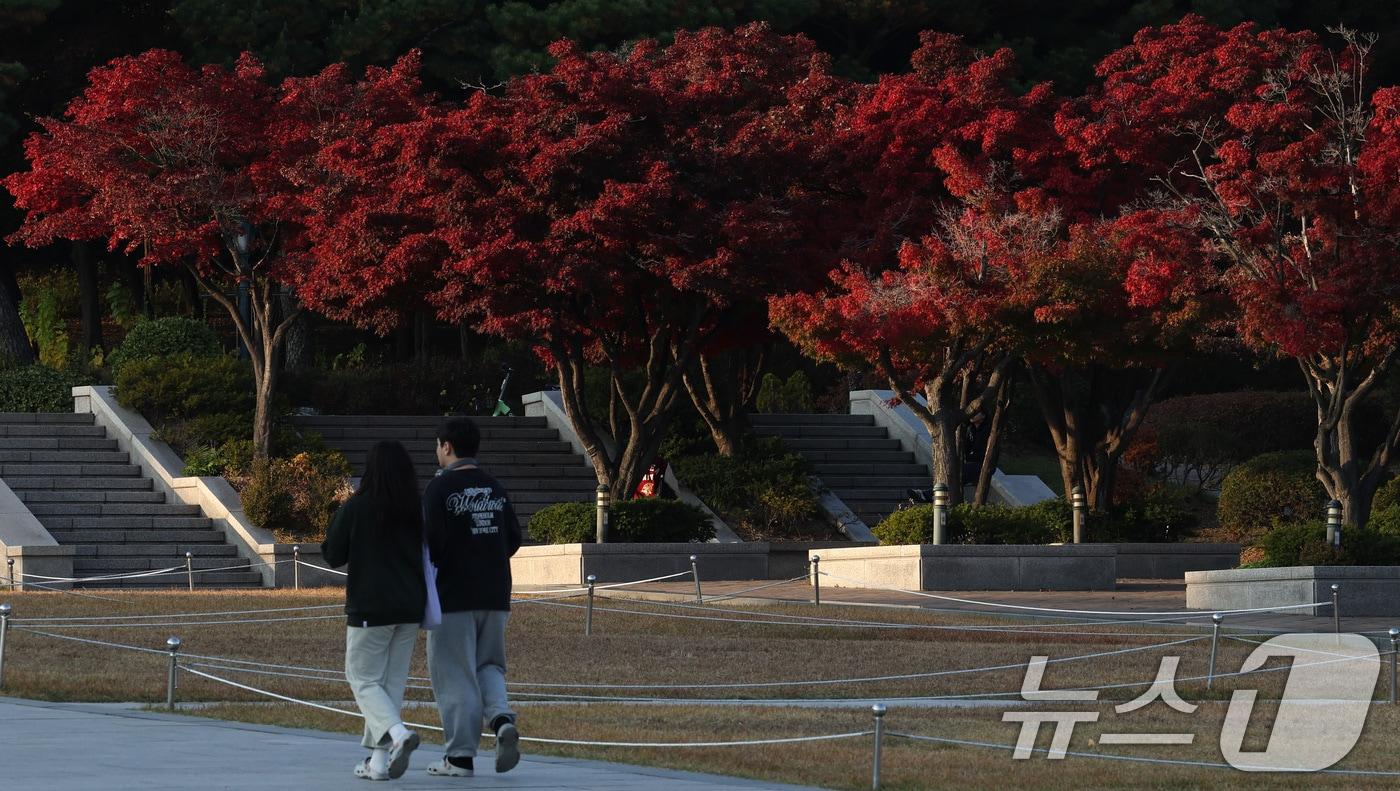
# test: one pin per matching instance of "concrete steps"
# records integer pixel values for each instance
(853, 456)
(524, 453)
(86, 493)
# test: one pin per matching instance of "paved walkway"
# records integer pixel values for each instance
(94, 747)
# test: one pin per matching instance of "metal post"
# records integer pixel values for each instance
(588, 612)
(1394, 645)
(816, 579)
(1214, 644)
(4, 630)
(1078, 504)
(1334, 523)
(10, 575)
(173, 644)
(602, 525)
(296, 566)
(1336, 609)
(695, 572)
(879, 711)
(940, 513)
(189, 568)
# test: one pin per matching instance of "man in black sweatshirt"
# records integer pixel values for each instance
(472, 532)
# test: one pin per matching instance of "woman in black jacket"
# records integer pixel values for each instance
(379, 532)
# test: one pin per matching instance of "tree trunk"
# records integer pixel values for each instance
(723, 387)
(134, 279)
(1348, 474)
(993, 452)
(89, 297)
(422, 337)
(300, 352)
(403, 341)
(14, 341)
(464, 341)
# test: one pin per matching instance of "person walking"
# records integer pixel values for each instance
(379, 532)
(472, 532)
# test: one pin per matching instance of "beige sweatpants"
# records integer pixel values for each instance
(376, 665)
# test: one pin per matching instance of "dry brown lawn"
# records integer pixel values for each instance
(547, 645)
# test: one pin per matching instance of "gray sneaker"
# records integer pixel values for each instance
(507, 747)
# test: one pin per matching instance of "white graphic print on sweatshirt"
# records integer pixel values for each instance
(477, 501)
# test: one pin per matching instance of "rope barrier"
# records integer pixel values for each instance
(55, 589)
(106, 577)
(90, 642)
(65, 618)
(1002, 605)
(165, 624)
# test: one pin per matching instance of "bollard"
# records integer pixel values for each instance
(173, 644)
(1395, 644)
(1334, 523)
(940, 513)
(189, 569)
(1214, 644)
(10, 574)
(296, 567)
(602, 525)
(879, 711)
(4, 630)
(816, 579)
(695, 572)
(588, 613)
(1077, 502)
(1336, 609)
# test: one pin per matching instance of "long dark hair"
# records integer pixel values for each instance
(391, 482)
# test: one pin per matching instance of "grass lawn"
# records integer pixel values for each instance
(547, 645)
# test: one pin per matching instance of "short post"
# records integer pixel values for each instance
(1079, 506)
(879, 711)
(695, 572)
(189, 568)
(4, 630)
(816, 579)
(10, 574)
(940, 513)
(1214, 645)
(1336, 608)
(296, 566)
(1334, 523)
(1394, 652)
(592, 580)
(602, 525)
(173, 645)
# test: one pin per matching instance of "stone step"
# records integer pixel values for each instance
(56, 443)
(50, 430)
(850, 432)
(487, 436)
(113, 509)
(46, 418)
(171, 550)
(829, 468)
(109, 564)
(568, 486)
(811, 420)
(87, 496)
(430, 421)
(24, 470)
(488, 449)
(900, 482)
(218, 579)
(881, 457)
(840, 444)
(99, 523)
(88, 536)
(64, 456)
(66, 482)
(404, 434)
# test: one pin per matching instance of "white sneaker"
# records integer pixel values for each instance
(507, 747)
(363, 772)
(445, 768)
(399, 753)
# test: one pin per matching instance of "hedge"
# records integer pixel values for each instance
(1157, 517)
(1199, 437)
(1305, 544)
(38, 388)
(652, 521)
(762, 492)
(1268, 489)
(186, 386)
(168, 337)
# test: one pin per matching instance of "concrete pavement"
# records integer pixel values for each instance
(99, 747)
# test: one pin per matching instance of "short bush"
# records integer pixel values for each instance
(1305, 544)
(1387, 496)
(186, 386)
(762, 492)
(296, 497)
(1200, 437)
(776, 395)
(168, 337)
(1274, 487)
(641, 521)
(38, 388)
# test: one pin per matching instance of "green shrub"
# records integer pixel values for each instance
(1387, 496)
(794, 395)
(38, 388)
(167, 337)
(1273, 487)
(910, 525)
(641, 521)
(267, 500)
(43, 322)
(1046, 522)
(1305, 544)
(296, 497)
(186, 386)
(1199, 437)
(763, 491)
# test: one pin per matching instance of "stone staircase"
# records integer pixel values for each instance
(856, 459)
(523, 453)
(86, 493)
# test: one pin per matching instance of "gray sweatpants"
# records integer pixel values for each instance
(467, 661)
(376, 665)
